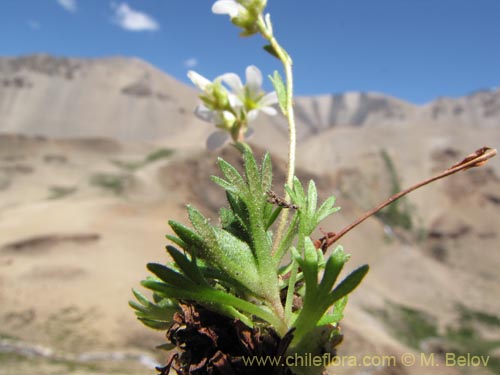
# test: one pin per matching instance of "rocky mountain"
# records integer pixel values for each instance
(128, 99)
(117, 98)
(315, 114)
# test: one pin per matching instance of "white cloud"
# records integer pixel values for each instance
(133, 20)
(69, 5)
(191, 62)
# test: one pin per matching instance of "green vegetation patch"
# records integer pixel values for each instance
(111, 182)
(57, 192)
(409, 325)
(398, 213)
(464, 338)
(161, 153)
(132, 166)
(468, 315)
(413, 327)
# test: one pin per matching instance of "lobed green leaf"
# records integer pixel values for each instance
(170, 276)
(232, 174)
(333, 267)
(278, 84)
(266, 172)
(253, 177)
(326, 209)
(336, 315)
(188, 267)
(225, 185)
(312, 199)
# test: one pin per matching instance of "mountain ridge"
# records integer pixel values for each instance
(130, 99)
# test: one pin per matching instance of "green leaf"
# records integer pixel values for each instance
(235, 258)
(176, 240)
(168, 290)
(333, 267)
(252, 174)
(156, 324)
(170, 276)
(222, 250)
(300, 195)
(310, 268)
(284, 269)
(222, 278)
(296, 256)
(212, 296)
(162, 312)
(232, 313)
(242, 147)
(326, 209)
(159, 299)
(201, 224)
(348, 284)
(270, 49)
(337, 315)
(273, 215)
(241, 213)
(138, 307)
(280, 88)
(266, 173)
(312, 198)
(153, 312)
(227, 217)
(224, 184)
(187, 266)
(140, 297)
(232, 174)
(190, 238)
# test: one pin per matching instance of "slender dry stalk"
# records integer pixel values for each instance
(476, 159)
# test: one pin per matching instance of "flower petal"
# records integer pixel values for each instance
(228, 118)
(230, 7)
(233, 81)
(216, 140)
(224, 119)
(252, 115)
(234, 101)
(269, 99)
(199, 81)
(204, 113)
(254, 79)
(269, 111)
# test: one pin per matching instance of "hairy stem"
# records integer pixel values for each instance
(285, 59)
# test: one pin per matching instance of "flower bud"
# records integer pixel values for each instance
(243, 13)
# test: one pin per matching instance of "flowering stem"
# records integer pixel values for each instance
(288, 112)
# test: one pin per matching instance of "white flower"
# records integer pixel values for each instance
(215, 96)
(230, 7)
(251, 94)
(199, 81)
(222, 119)
(243, 13)
(232, 111)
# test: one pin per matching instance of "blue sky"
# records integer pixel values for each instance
(416, 50)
